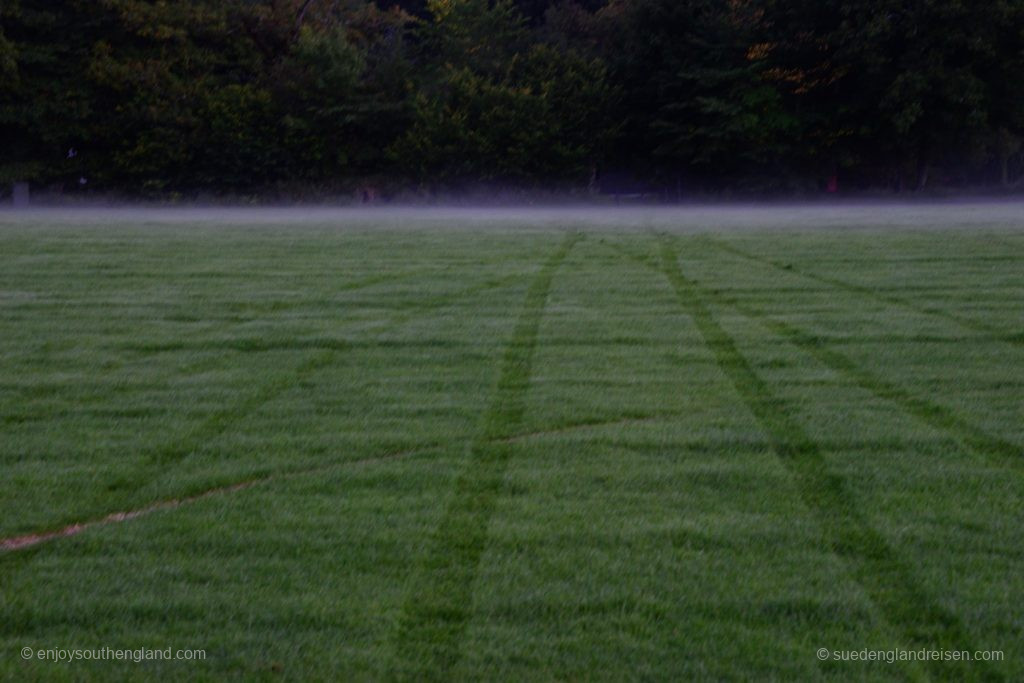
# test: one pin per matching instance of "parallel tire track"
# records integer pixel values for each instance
(964, 321)
(921, 622)
(997, 451)
(438, 608)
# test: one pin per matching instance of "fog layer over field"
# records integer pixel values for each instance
(696, 218)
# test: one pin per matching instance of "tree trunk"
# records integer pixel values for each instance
(300, 16)
(1009, 145)
(922, 176)
(923, 157)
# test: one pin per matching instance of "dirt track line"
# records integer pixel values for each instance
(216, 424)
(29, 540)
(35, 538)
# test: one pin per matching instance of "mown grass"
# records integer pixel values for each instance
(513, 453)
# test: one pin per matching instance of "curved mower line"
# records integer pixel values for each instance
(222, 419)
(35, 538)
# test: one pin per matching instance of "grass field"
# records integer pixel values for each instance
(521, 453)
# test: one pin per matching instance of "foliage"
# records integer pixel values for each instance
(538, 120)
(236, 95)
(706, 108)
(45, 104)
(904, 85)
(318, 81)
(481, 33)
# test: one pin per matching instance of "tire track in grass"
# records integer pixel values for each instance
(637, 258)
(218, 423)
(158, 459)
(597, 423)
(885, 577)
(30, 539)
(221, 326)
(1009, 240)
(964, 321)
(206, 364)
(997, 451)
(437, 611)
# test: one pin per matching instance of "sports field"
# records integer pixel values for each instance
(501, 450)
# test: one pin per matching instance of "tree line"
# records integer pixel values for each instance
(152, 97)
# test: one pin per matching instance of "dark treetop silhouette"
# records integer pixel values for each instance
(141, 97)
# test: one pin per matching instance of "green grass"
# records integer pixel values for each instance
(514, 453)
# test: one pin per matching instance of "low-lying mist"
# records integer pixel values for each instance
(689, 218)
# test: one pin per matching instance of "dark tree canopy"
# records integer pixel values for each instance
(147, 97)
